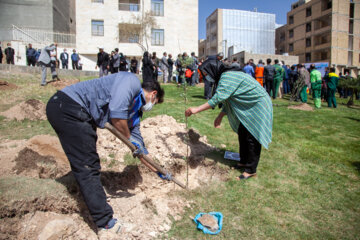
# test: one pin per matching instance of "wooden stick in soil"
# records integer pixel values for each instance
(147, 159)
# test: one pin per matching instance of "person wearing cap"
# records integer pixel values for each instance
(315, 79)
(45, 59)
(103, 62)
(248, 108)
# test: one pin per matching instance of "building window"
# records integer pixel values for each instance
(308, 27)
(97, 1)
(129, 33)
(308, 57)
(97, 27)
(291, 19)
(157, 37)
(308, 42)
(291, 47)
(157, 7)
(308, 12)
(291, 33)
(129, 5)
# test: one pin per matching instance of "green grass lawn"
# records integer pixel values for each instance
(308, 184)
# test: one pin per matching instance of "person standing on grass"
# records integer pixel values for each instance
(45, 61)
(147, 68)
(315, 78)
(247, 106)
(78, 110)
(259, 73)
(332, 80)
(278, 78)
(164, 67)
(300, 86)
(103, 62)
(171, 67)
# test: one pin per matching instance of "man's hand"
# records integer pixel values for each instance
(139, 149)
(96, 67)
(191, 111)
(165, 177)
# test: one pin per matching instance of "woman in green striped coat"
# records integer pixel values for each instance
(248, 108)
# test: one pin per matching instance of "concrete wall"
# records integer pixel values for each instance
(64, 16)
(37, 70)
(244, 57)
(25, 13)
(180, 24)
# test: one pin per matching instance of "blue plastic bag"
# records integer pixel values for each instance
(217, 216)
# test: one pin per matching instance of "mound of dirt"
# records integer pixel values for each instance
(302, 107)
(165, 139)
(144, 204)
(4, 85)
(31, 109)
(64, 83)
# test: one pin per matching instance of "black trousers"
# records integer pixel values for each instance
(77, 135)
(75, 65)
(270, 86)
(208, 89)
(250, 150)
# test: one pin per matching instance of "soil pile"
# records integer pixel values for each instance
(302, 107)
(31, 109)
(4, 85)
(143, 203)
(64, 83)
(165, 139)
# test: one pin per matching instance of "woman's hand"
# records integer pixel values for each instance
(217, 122)
(191, 111)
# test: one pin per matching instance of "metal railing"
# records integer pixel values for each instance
(132, 7)
(43, 37)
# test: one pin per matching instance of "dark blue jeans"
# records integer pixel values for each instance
(286, 86)
(77, 135)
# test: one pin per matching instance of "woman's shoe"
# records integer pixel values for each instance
(243, 177)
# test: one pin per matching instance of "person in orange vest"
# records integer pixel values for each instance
(259, 73)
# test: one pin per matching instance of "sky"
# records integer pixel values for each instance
(278, 7)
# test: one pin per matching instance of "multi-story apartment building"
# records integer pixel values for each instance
(323, 31)
(231, 31)
(99, 24)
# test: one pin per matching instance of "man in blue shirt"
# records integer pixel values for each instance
(76, 111)
(249, 69)
(75, 60)
(31, 56)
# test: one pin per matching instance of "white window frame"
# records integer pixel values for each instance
(98, 32)
(157, 37)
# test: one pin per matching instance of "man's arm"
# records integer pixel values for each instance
(122, 126)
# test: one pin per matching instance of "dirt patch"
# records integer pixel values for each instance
(4, 85)
(143, 203)
(302, 107)
(63, 83)
(31, 109)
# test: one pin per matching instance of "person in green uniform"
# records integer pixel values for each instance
(278, 78)
(315, 79)
(247, 106)
(332, 80)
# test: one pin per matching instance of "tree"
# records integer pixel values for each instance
(352, 84)
(138, 30)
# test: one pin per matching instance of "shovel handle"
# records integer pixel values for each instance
(119, 135)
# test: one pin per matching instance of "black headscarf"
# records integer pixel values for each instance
(215, 68)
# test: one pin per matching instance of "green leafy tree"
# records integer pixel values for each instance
(351, 84)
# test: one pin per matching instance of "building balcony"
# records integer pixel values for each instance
(321, 30)
(322, 46)
(131, 7)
